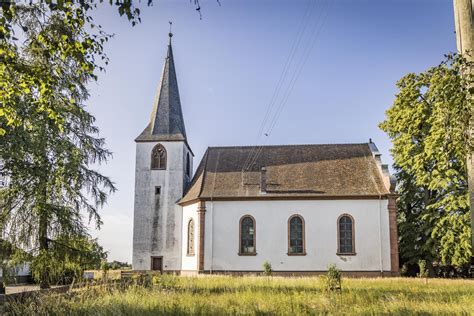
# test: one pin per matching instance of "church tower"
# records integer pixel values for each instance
(162, 171)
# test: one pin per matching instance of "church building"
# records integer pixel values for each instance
(298, 207)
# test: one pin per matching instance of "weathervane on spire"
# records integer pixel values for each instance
(170, 34)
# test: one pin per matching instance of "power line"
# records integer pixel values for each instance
(310, 44)
(300, 34)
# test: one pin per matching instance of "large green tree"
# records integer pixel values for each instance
(428, 124)
(49, 51)
(49, 143)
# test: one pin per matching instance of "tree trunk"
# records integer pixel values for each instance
(43, 211)
(43, 247)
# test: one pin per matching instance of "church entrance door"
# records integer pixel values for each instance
(157, 263)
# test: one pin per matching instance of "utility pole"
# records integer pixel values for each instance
(464, 22)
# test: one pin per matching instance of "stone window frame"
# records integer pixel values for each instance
(339, 253)
(190, 252)
(158, 161)
(254, 253)
(303, 231)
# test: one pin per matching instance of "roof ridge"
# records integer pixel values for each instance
(288, 145)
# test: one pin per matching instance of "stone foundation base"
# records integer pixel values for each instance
(350, 274)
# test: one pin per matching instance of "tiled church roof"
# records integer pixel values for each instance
(292, 171)
(166, 122)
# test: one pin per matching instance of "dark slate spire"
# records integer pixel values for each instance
(166, 122)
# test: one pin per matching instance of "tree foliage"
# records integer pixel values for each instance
(66, 259)
(49, 52)
(49, 140)
(85, 48)
(428, 124)
(79, 42)
(118, 265)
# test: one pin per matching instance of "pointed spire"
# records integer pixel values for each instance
(166, 121)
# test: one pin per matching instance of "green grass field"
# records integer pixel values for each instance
(261, 295)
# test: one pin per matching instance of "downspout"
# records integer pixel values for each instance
(212, 236)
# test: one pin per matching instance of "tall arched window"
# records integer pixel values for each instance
(247, 236)
(190, 251)
(158, 157)
(296, 244)
(188, 165)
(345, 235)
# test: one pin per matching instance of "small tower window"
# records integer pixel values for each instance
(158, 157)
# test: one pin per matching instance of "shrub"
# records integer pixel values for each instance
(404, 270)
(332, 281)
(156, 279)
(267, 268)
(423, 271)
(105, 269)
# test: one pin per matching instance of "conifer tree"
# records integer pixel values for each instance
(50, 145)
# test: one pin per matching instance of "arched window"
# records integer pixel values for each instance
(247, 236)
(190, 237)
(345, 235)
(296, 244)
(188, 165)
(158, 157)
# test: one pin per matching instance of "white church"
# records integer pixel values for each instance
(298, 207)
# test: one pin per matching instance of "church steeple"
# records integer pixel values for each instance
(166, 121)
(163, 170)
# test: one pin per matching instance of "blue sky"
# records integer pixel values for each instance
(230, 62)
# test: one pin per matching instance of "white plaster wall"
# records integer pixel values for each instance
(158, 234)
(189, 263)
(372, 243)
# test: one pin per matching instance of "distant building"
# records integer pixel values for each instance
(299, 207)
(19, 274)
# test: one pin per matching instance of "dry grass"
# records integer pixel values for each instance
(260, 295)
(99, 274)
